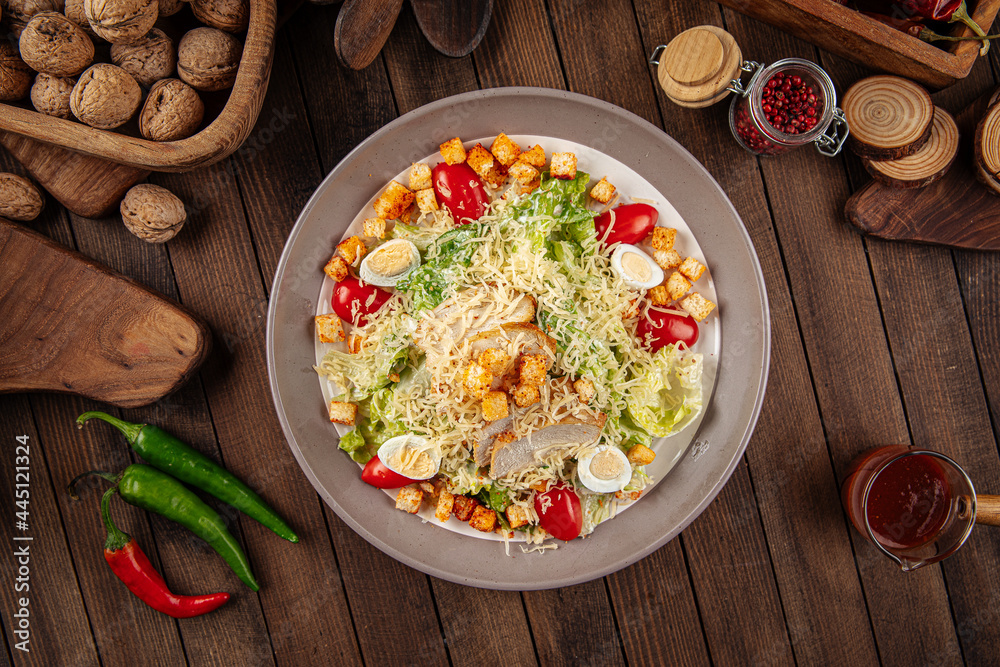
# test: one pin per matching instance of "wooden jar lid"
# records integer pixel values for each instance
(697, 66)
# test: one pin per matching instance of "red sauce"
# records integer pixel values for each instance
(909, 502)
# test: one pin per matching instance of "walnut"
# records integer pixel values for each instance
(208, 59)
(170, 7)
(74, 12)
(15, 75)
(172, 111)
(50, 95)
(52, 44)
(105, 97)
(150, 59)
(19, 12)
(19, 198)
(228, 15)
(152, 213)
(121, 21)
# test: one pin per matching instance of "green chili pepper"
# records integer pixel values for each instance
(155, 491)
(164, 451)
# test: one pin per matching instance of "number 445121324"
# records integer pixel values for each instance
(22, 462)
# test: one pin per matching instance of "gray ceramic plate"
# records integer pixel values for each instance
(741, 373)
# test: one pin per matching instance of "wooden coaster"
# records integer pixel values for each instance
(698, 65)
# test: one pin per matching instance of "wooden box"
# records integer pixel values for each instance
(212, 143)
(848, 33)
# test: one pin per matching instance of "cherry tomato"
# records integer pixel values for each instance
(633, 223)
(376, 474)
(351, 291)
(461, 191)
(564, 516)
(666, 329)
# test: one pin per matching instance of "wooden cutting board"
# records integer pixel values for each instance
(86, 185)
(72, 325)
(957, 210)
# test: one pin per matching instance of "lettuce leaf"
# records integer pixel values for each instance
(355, 445)
(429, 284)
(668, 396)
(359, 376)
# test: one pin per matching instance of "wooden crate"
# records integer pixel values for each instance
(217, 140)
(847, 33)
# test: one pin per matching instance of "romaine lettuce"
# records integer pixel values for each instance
(668, 396)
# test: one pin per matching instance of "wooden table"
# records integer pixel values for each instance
(873, 342)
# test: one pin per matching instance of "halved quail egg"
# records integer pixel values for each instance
(389, 263)
(410, 456)
(635, 267)
(604, 470)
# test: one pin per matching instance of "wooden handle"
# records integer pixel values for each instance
(72, 325)
(889, 117)
(453, 27)
(988, 510)
(362, 28)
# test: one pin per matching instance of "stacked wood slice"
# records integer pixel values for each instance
(987, 146)
(903, 139)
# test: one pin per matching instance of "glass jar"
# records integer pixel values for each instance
(787, 104)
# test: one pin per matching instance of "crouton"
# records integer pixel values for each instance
(352, 250)
(525, 394)
(535, 157)
(603, 191)
(532, 368)
(640, 455)
(463, 507)
(495, 406)
(540, 487)
(355, 343)
(427, 488)
(517, 516)
(409, 498)
(659, 296)
(426, 200)
(677, 286)
(563, 166)
(453, 151)
(584, 390)
(505, 150)
(496, 361)
(394, 201)
(692, 269)
(336, 268)
(504, 438)
(662, 238)
(420, 176)
(343, 413)
(329, 328)
(483, 519)
(697, 306)
(407, 216)
(446, 501)
(374, 228)
(667, 259)
(523, 173)
(477, 380)
(484, 164)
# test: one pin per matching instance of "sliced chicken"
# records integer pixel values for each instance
(515, 456)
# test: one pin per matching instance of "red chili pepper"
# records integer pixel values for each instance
(919, 30)
(132, 566)
(948, 11)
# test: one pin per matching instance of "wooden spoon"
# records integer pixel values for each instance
(453, 27)
(362, 28)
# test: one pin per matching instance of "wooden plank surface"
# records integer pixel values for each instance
(873, 342)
